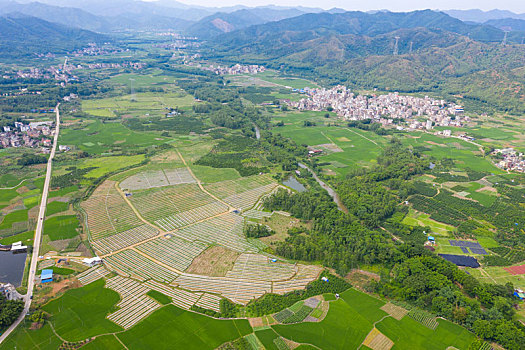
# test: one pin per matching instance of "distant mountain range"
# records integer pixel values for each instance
(435, 52)
(22, 35)
(479, 16)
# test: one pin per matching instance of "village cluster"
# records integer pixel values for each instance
(236, 69)
(65, 72)
(33, 134)
(511, 160)
(386, 109)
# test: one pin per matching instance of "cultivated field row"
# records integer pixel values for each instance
(157, 178)
(260, 267)
(91, 275)
(210, 301)
(132, 263)
(189, 217)
(247, 199)
(108, 213)
(124, 239)
(230, 188)
(173, 251)
(225, 230)
(181, 298)
(256, 214)
(237, 290)
(305, 274)
(159, 203)
(134, 305)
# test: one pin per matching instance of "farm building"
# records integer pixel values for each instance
(92, 261)
(46, 276)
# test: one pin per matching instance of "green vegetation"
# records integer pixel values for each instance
(158, 296)
(184, 329)
(56, 207)
(61, 227)
(81, 313)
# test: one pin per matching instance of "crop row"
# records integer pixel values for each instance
(225, 230)
(133, 310)
(229, 188)
(181, 298)
(210, 301)
(173, 251)
(191, 216)
(423, 318)
(240, 291)
(134, 264)
(108, 213)
(158, 203)
(157, 178)
(247, 199)
(92, 274)
(260, 267)
(305, 274)
(124, 239)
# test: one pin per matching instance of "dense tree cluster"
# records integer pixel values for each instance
(9, 311)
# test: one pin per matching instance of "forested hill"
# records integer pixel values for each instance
(22, 35)
(436, 53)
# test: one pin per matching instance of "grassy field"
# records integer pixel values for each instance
(351, 318)
(174, 328)
(208, 174)
(466, 155)
(105, 342)
(97, 137)
(25, 237)
(158, 296)
(275, 78)
(81, 313)
(11, 218)
(106, 165)
(137, 105)
(25, 338)
(56, 207)
(410, 334)
(346, 148)
(415, 218)
(61, 227)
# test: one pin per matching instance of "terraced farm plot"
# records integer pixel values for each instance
(247, 199)
(159, 203)
(230, 188)
(132, 263)
(305, 274)
(134, 305)
(225, 230)
(173, 251)
(157, 178)
(210, 301)
(180, 298)
(91, 275)
(395, 311)
(424, 318)
(256, 214)
(376, 340)
(124, 239)
(192, 216)
(260, 267)
(108, 213)
(237, 290)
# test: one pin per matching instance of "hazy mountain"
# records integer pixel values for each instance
(67, 16)
(508, 24)
(311, 26)
(436, 53)
(480, 16)
(22, 35)
(221, 22)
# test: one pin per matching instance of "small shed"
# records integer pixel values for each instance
(46, 276)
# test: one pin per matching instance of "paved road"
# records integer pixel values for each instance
(38, 233)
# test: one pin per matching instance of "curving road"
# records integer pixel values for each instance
(38, 233)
